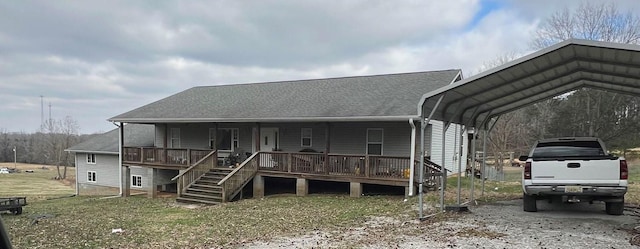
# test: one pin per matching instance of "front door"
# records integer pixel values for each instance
(269, 139)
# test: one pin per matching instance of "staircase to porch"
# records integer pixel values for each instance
(206, 183)
(206, 190)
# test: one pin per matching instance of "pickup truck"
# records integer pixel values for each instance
(574, 169)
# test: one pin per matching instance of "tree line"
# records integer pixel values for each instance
(613, 117)
(46, 146)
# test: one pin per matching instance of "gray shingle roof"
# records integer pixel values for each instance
(135, 135)
(374, 97)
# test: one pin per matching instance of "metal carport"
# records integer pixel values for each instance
(558, 69)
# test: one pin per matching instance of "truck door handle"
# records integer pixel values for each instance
(573, 165)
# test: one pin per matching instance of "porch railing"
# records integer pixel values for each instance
(191, 174)
(169, 156)
(370, 166)
(233, 183)
(432, 174)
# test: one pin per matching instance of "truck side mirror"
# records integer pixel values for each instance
(523, 158)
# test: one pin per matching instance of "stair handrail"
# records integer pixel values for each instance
(195, 171)
(230, 184)
(196, 164)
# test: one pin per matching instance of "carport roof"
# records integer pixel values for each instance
(558, 69)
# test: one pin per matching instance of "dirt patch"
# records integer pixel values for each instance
(499, 225)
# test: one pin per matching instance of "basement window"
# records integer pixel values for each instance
(136, 181)
(91, 176)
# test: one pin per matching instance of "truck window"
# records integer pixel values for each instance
(568, 149)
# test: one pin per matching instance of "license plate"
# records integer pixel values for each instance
(573, 189)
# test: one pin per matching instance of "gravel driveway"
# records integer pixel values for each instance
(499, 225)
(555, 225)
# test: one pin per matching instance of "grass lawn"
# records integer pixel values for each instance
(36, 185)
(87, 222)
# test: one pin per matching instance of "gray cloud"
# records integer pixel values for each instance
(94, 59)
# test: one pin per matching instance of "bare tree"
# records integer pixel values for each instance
(592, 112)
(598, 22)
(60, 135)
(512, 131)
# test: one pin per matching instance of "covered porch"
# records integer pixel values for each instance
(327, 165)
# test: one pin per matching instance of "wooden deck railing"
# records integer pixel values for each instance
(233, 183)
(389, 167)
(432, 173)
(191, 174)
(162, 156)
(370, 166)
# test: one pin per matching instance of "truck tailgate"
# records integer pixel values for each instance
(601, 172)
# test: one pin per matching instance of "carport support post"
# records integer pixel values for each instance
(443, 178)
(421, 166)
(473, 166)
(484, 157)
(423, 125)
(459, 164)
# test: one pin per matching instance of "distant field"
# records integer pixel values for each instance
(40, 184)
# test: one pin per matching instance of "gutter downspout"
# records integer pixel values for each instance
(77, 187)
(120, 145)
(412, 159)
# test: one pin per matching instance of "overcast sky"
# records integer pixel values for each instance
(93, 60)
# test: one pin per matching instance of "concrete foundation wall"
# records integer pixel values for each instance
(92, 189)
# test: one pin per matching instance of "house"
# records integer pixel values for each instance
(97, 161)
(360, 130)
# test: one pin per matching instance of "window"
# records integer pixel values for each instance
(136, 181)
(227, 139)
(568, 149)
(175, 138)
(91, 158)
(91, 176)
(374, 141)
(306, 137)
(212, 138)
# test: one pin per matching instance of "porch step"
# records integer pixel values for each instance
(213, 176)
(208, 181)
(206, 197)
(203, 186)
(196, 201)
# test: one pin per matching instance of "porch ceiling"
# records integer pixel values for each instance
(561, 68)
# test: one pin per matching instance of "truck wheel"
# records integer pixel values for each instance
(529, 203)
(614, 208)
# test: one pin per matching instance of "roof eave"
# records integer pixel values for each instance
(92, 152)
(264, 120)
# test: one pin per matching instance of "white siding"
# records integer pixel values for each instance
(139, 171)
(196, 136)
(290, 135)
(106, 168)
(427, 140)
(351, 138)
(161, 133)
(452, 146)
(345, 137)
